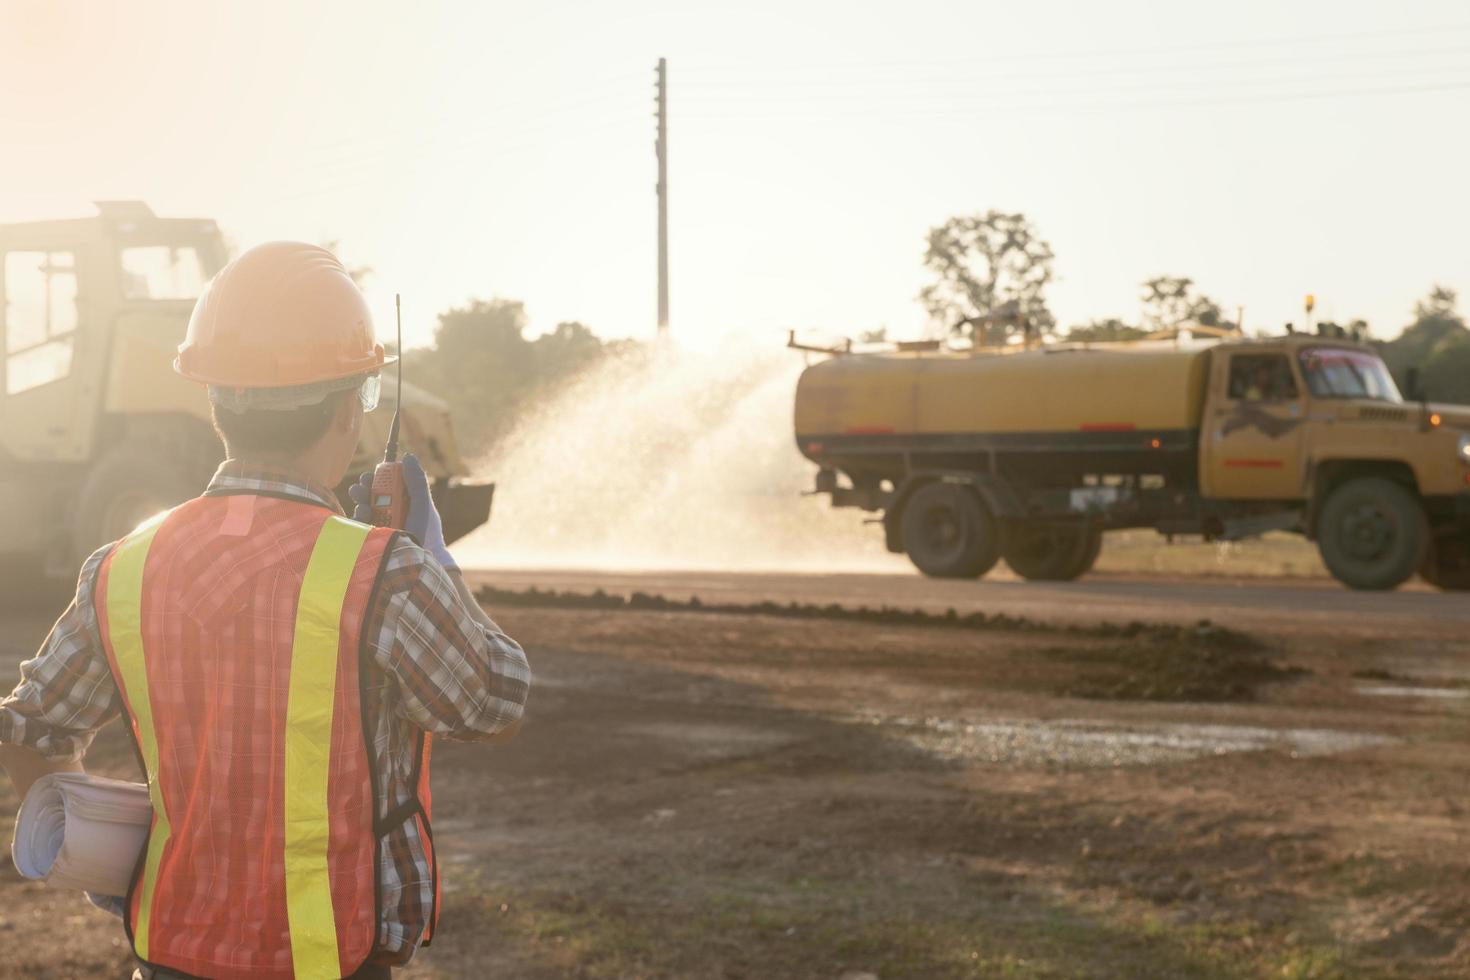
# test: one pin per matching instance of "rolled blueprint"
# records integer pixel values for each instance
(80, 831)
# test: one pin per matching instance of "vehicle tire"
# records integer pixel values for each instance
(25, 586)
(1447, 564)
(1094, 550)
(129, 484)
(948, 532)
(1051, 551)
(1372, 534)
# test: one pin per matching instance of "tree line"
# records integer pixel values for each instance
(990, 272)
(484, 365)
(989, 277)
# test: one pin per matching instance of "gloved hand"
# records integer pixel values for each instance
(423, 521)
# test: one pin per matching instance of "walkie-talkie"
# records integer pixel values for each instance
(390, 493)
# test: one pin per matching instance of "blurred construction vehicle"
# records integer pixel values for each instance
(97, 432)
(1030, 452)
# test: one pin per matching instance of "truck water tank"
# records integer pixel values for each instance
(1063, 389)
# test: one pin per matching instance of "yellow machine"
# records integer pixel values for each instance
(96, 430)
(1032, 454)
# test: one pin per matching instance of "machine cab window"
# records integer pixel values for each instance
(161, 272)
(40, 318)
(1261, 378)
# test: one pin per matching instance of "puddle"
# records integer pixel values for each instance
(1077, 743)
(1415, 692)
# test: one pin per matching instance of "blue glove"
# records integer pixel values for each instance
(423, 521)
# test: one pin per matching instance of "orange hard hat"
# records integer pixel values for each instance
(281, 314)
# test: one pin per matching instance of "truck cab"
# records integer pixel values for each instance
(96, 430)
(1318, 427)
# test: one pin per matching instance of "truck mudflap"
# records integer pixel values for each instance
(462, 506)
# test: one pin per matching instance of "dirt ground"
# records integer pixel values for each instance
(711, 794)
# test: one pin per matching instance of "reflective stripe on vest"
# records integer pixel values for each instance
(308, 732)
(124, 626)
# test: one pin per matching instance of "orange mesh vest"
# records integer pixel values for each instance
(233, 625)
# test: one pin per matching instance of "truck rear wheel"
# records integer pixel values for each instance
(1447, 564)
(1372, 534)
(949, 533)
(124, 488)
(1046, 551)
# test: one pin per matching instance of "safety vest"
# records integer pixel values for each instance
(233, 626)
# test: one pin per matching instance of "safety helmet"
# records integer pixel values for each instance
(283, 316)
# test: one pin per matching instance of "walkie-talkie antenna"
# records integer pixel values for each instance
(390, 454)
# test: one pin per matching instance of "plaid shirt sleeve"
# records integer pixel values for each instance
(66, 692)
(455, 678)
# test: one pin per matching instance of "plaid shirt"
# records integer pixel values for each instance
(439, 671)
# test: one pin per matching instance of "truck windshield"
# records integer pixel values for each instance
(161, 272)
(1334, 372)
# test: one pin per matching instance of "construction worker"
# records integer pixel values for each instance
(281, 668)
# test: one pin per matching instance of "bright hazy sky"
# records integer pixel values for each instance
(1266, 149)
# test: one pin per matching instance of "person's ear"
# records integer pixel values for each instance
(348, 415)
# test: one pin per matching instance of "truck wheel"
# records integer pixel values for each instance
(1094, 549)
(1046, 551)
(125, 487)
(1447, 564)
(1372, 534)
(949, 533)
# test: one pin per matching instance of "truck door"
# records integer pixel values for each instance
(1253, 431)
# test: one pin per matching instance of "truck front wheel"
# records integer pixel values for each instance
(949, 533)
(1051, 552)
(1447, 564)
(1372, 534)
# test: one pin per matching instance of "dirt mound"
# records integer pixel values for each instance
(1137, 661)
(534, 598)
(1198, 663)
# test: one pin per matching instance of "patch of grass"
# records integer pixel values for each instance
(735, 928)
(1313, 963)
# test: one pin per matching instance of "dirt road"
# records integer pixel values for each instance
(1291, 606)
(727, 795)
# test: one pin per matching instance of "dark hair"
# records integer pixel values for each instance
(276, 432)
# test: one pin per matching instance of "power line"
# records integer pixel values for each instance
(815, 66)
(912, 80)
(1452, 86)
(1196, 87)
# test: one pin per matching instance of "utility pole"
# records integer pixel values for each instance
(661, 147)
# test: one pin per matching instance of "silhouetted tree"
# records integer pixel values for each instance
(991, 271)
(1170, 302)
(1446, 375)
(482, 363)
(1111, 329)
(1438, 343)
(1436, 329)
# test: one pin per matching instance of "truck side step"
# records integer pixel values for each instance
(1256, 525)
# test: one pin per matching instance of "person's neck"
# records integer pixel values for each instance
(297, 465)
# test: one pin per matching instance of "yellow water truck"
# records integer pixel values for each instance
(1031, 455)
(96, 430)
